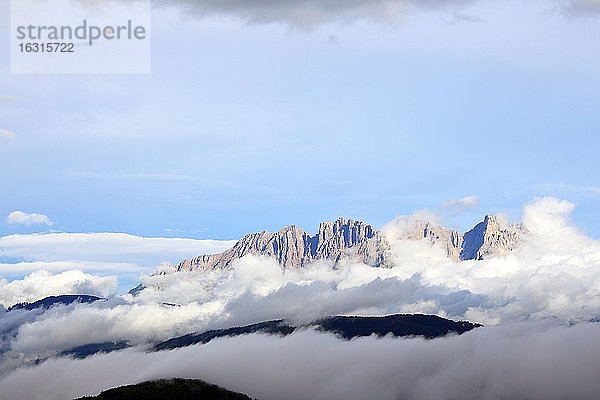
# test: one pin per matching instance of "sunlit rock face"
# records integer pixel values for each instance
(490, 238)
(435, 234)
(346, 239)
(292, 247)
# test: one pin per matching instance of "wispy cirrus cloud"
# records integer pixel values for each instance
(133, 176)
(6, 134)
(456, 206)
(565, 187)
(468, 201)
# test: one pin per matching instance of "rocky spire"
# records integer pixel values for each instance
(490, 238)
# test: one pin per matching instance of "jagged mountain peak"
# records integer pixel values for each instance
(492, 236)
(293, 247)
(345, 239)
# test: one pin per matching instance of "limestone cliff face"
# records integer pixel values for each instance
(490, 238)
(451, 240)
(349, 239)
(292, 247)
(487, 239)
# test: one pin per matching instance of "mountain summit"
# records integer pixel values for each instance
(292, 247)
(487, 239)
(347, 239)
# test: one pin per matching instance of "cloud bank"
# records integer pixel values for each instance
(115, 256)
(115, 248)
(519, 361)
(41, 284)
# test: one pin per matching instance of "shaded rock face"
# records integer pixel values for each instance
(349, 239)
(292, 247)
(490, 238)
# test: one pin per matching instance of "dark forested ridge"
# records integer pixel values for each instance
(428, 326)
(169, 389)
(50, 301)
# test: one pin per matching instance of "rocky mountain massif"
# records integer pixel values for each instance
(292, 247)
(350, 239)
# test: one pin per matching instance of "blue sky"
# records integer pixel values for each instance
(250, 123)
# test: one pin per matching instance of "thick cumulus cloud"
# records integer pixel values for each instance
(554, 275)
(23, 218)
(514, 361)
(41, 284)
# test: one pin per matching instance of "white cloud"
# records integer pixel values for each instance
(106, 247)
(468, 201)
(41, 284)
(456, 206)
(548, 215)
(7, 134)
(24, 267)
(23, 218)
(520, 361)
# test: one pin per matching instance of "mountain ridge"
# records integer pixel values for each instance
(348, 239)
(344, 327)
